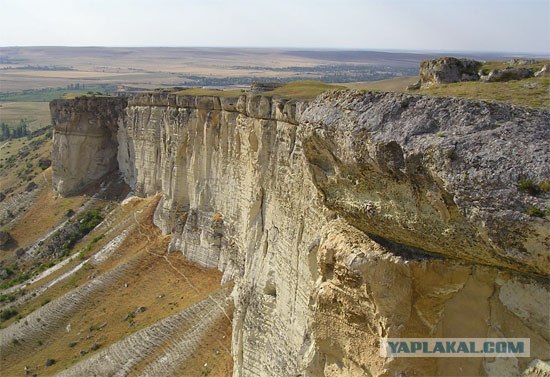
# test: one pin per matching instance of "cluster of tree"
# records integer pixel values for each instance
(45, 68)
(18, 131)
(76, 86)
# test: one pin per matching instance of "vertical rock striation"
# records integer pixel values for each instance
(85, 141)
(349, 219)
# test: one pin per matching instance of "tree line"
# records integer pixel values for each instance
(7, 132)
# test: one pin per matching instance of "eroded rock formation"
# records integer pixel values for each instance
(447, 70)
(346, 220)
(85, 144)
(508, 74)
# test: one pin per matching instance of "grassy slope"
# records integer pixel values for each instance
(298, 90)
(534, 92)
(47, 211)
(15, 171)
(302, 90)
(489, 66)
(390, 85)
(151, 282)
(209, 92)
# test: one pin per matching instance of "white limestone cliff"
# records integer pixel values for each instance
(350, 219)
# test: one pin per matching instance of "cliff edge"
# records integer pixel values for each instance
(343, 221)
(85, 142)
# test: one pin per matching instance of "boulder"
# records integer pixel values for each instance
(521, 61)
(448, 70)
(44, 163)
(260, 87)
(414, 86)
(544, 71)
(508, 74)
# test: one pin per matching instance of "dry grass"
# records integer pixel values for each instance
(489, 66)
(209, 92)
(47, 211)
(213, 358)
(302, 90)
(398, 84)
(533, 92)
(8, 175)
(298, 90)
(36, 114)
(60, 74)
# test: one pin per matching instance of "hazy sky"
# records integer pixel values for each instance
(455, 25)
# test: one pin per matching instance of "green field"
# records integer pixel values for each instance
(48, 94)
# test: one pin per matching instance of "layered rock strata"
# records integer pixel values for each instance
(350, 219)
(85, 140)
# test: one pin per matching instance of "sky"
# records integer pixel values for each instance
(417, 25)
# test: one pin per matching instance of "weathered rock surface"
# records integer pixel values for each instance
(507, 74)
(443, 170)
(259, 87)
(447, 70)
(353, 218)
(85, 144)
(544, 71)
(522, 61)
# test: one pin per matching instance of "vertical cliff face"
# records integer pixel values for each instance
(85, 140)
(350, 219)
(237, 196)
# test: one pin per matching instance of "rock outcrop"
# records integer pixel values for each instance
(260, 87)
(347, 220)
(508, 74)
(85, 144)
(448, 70)
(544, 71)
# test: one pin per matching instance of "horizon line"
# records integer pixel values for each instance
(388, 50)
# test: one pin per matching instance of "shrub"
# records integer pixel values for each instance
(7, 298)
(19, 279)
(7, 314)
(86, 222)
(535, 212)
(95, 347)
(544, 186)
(529, 186)
(50, 362)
